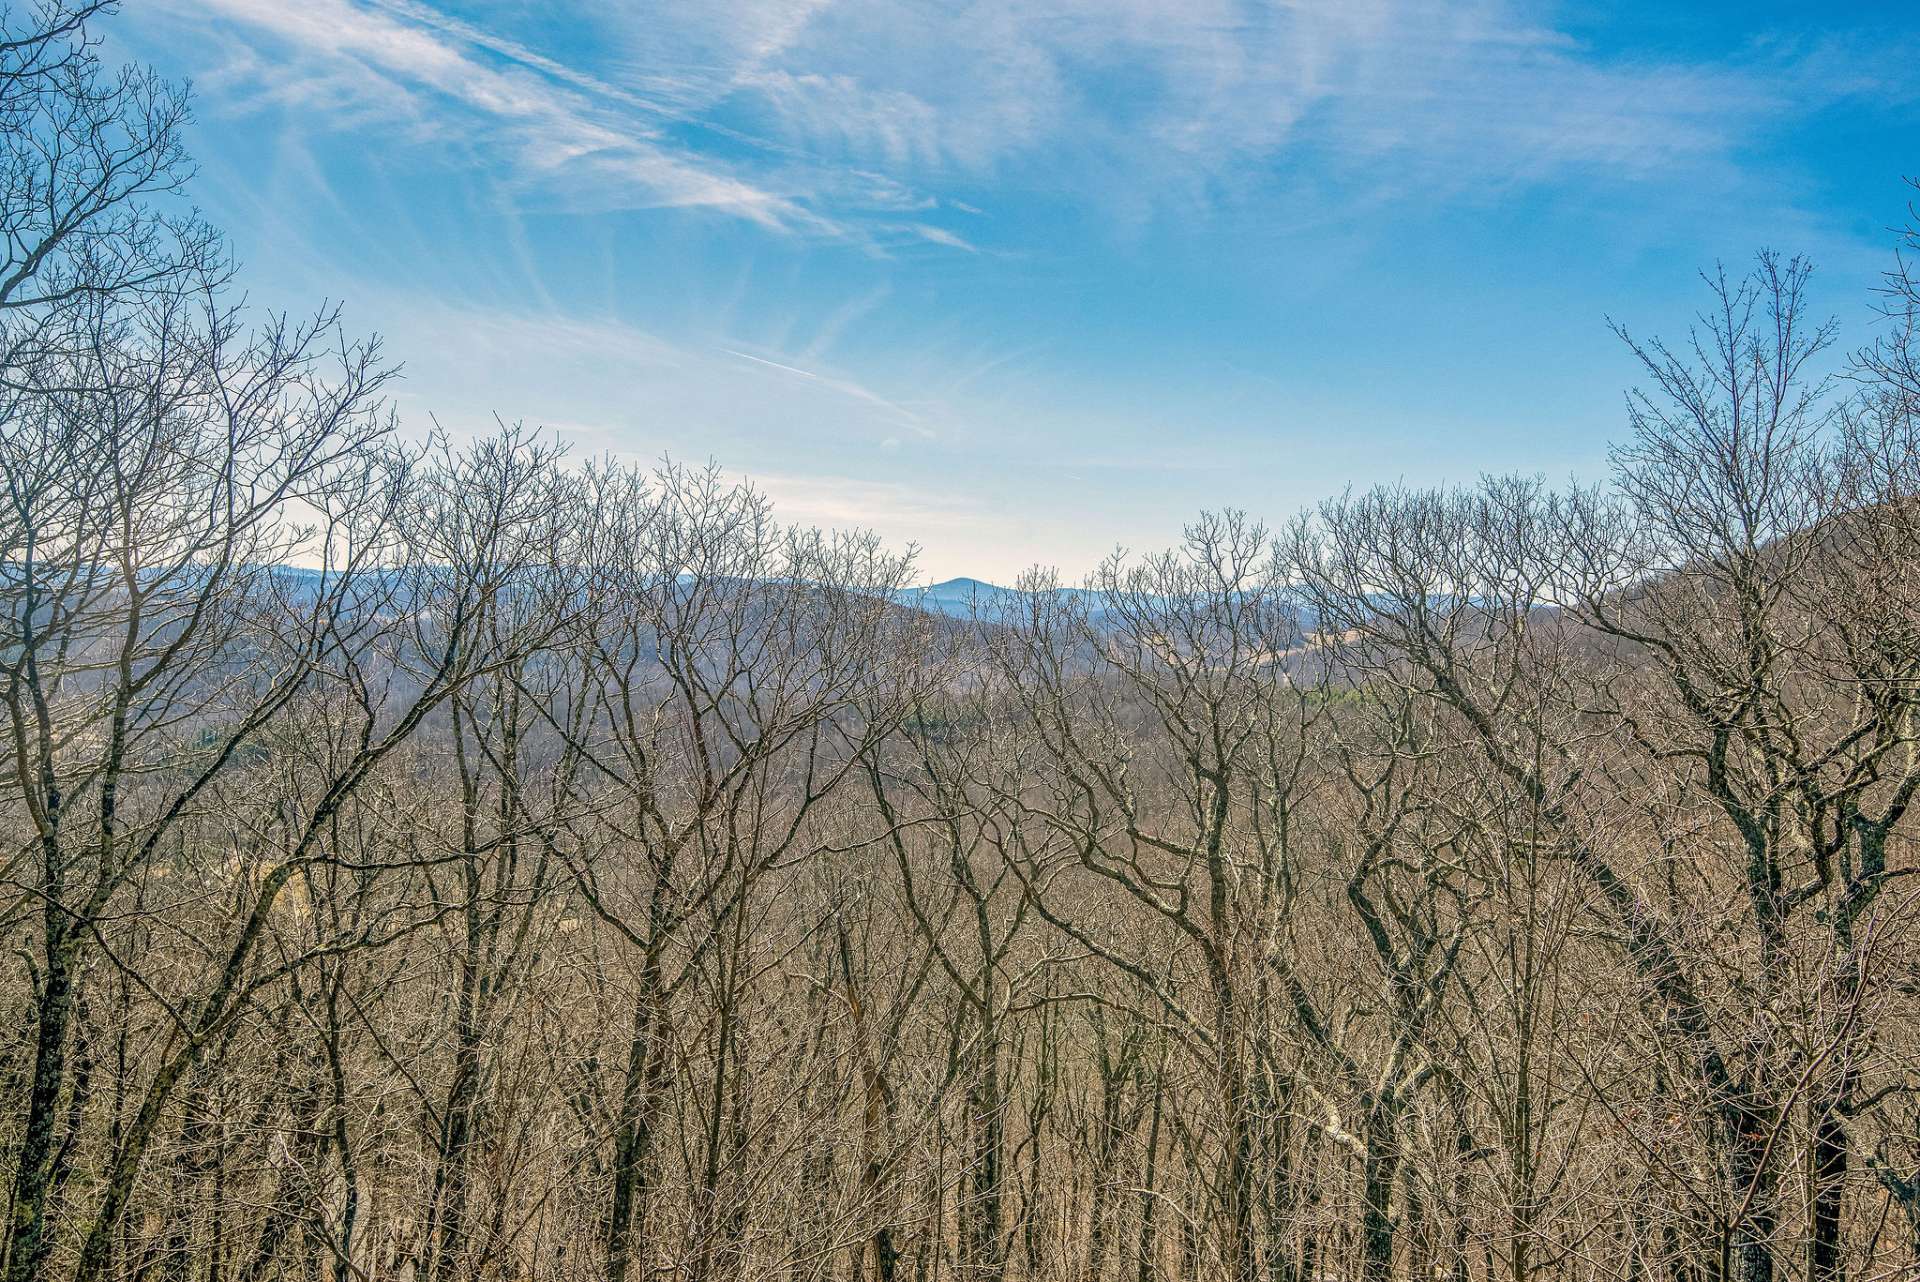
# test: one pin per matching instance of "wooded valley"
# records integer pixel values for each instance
(451, 859)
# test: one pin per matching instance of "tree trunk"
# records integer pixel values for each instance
(1755, 1180)
(633, 1137)
(1824, 1262)
(1379, 1171)
(984, 1209)
(32, 1174)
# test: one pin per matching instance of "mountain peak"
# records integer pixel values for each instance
(962, 584)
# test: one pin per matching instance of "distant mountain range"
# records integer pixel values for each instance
(961, 599)
(974, 598)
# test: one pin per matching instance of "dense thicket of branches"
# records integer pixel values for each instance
(445, 862)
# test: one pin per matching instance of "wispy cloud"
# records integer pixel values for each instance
(614, 385)
(1180, 97)
(941, 236)
(833, 114)
(341, 63)
(846, 387)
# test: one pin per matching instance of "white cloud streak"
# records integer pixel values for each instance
(835, 114)
(567, 133)
(846, 387)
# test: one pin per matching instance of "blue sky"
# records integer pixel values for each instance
(1023, 280)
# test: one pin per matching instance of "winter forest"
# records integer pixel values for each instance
(448, 858)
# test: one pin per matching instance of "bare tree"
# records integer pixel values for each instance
(728, 654)
(92, 167)
(1174, 742)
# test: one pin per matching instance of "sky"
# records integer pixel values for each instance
(1019, 282)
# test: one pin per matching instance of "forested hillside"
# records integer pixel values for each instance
(453, 860)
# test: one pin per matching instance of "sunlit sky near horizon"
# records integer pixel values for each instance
(1021, 280)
